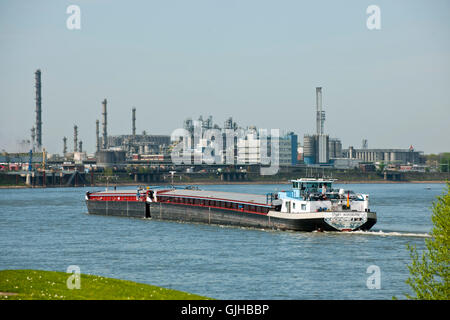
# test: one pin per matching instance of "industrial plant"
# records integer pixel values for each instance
(230, 148)
(319, 150)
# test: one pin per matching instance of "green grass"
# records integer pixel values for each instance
(51, 285)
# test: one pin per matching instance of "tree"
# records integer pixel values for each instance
(429, 273)
(108, 171)
(381, 167)
(444, 162)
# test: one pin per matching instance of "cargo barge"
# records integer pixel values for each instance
(311, 205)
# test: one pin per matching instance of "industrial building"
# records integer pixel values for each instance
(250, 149)
(207, 142)
(288, 149)
(320, 149)
(140, 143)
(397, 156)
(248, 145)
(115, 149)
(134, 143)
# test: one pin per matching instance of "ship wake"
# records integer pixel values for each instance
(382, 233)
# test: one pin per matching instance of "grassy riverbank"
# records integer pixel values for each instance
(51, 285)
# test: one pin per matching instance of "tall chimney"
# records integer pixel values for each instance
(97, 134)
(64, 146)
(318, 110)
(80, 146)
(33, 138)
(38, 110)
(133, 122)
(75, 138)
(320, 114)
(105, 132)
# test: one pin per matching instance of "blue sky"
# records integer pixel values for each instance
(258, 61)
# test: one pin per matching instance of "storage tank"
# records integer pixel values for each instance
(309, 149)
(350, 152)
(338, 148)
(332, 148)
(393, 156)
(109, 158)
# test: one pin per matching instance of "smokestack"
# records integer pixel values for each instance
(75, 138)
(364, 144)
(64, 146)
(105, 133)
(33, 138)
(38, 110)
(133, 122)
(320, 114)
(97, 134)
(80, 146)
(318, 109)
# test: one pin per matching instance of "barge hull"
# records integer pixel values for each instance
(131, 209)
(208, 215)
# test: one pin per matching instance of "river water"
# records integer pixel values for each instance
(49, 229)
